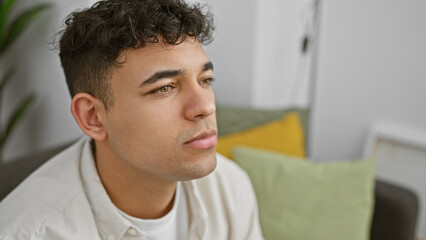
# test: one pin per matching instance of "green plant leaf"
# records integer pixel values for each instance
(21, 23)
(6, 78)
(16, 116)
(5, 7)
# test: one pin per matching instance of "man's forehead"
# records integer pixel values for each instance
(157, 61)
(161, 49)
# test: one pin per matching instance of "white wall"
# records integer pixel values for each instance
(371, 67)
(257, 52)
(280, 71)
(232, 50)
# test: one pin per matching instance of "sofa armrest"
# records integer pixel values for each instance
(395, 212)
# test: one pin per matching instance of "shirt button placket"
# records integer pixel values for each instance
(111, 237)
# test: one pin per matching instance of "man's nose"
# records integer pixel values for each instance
(200, 103)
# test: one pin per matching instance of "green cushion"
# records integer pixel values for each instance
(305, 200)
(235, 119)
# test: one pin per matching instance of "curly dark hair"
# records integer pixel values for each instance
(95, 37)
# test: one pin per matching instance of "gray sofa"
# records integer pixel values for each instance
(395, 211)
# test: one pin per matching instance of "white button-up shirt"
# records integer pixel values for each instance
(65, 199)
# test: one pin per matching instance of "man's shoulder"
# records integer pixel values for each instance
(40, 220)
(43, 196)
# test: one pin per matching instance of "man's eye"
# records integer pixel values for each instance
(163, 89)
(206, 82)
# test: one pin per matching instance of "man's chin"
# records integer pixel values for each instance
(202, 168)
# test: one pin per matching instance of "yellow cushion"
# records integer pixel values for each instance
(284, 135)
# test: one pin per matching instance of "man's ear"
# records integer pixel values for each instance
(89, 113)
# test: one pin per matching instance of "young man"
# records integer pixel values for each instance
(141, 88)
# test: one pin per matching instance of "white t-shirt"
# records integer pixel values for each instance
(172, 226)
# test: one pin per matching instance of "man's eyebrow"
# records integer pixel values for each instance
(160, 75)
(170, 73)
(207, 66)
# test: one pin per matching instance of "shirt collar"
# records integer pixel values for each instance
(111, 225)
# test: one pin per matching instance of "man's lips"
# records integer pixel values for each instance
(204, 140)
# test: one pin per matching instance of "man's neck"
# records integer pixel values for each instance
(134, 193)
